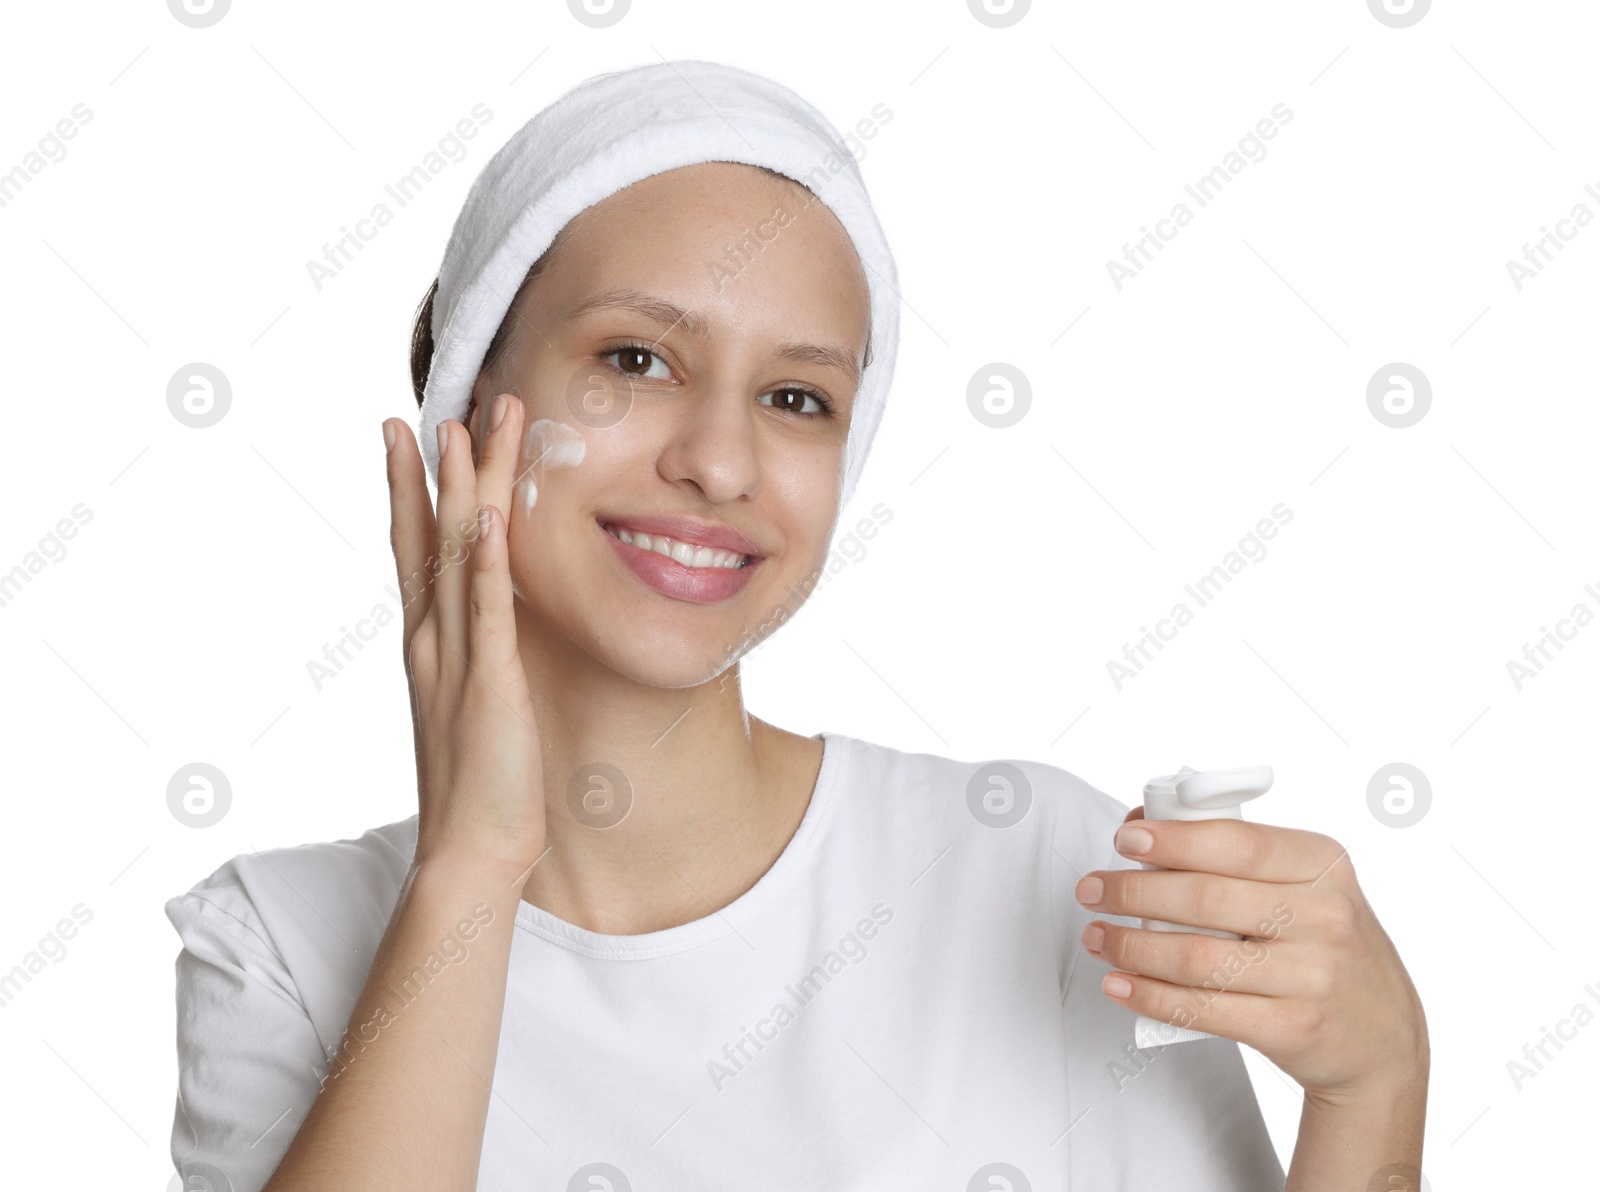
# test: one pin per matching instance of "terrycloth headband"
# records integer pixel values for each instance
(612, 131)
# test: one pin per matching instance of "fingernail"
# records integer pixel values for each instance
(483, 521)
(1133, 842)
(1094, 937)
(1089, 890)
(388, 436)
(498, 413)
(444, 439)
(1116, 985)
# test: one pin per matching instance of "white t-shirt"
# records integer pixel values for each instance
(900, 1002)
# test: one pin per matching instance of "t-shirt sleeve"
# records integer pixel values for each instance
(1183, 1117)
(250, 1062)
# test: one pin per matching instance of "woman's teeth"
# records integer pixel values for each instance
(682, 552)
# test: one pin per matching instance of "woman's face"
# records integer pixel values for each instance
(692, 331)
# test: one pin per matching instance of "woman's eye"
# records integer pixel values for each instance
(634, 362)
(792, 401)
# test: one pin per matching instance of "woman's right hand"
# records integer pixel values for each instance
(480, 765)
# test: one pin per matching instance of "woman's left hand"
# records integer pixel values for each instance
(1316, 985)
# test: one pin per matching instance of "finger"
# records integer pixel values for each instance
(457, 526)
(499, 453)
(1249, 965)
(1133, 814)
(1233, 904)
(1249, 1018)
(1234, 848)
(492, 633)
(411, 530)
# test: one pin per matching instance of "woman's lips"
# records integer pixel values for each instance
(699, 585)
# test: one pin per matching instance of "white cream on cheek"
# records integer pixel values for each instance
(547, 443)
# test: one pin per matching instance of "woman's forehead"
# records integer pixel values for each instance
(700, 255)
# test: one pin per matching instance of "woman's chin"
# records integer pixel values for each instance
(666, 653)
(679, 673)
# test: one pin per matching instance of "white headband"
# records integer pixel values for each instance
(612, 131)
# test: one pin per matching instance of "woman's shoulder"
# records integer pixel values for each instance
(995, 793)
(306, 912)
(325, 870)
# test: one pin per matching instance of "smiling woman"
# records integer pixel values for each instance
(659, 885)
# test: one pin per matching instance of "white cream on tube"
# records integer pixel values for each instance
(551, 444)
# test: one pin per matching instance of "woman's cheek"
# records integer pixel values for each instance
(546, 444)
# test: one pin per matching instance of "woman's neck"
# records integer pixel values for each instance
(663, 805)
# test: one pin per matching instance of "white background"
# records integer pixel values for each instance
(1228, 376)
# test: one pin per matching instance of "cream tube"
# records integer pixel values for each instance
(1194, 795)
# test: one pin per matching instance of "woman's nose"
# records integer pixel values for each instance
(712, 442)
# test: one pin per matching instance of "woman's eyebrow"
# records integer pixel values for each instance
(659, 310)
(670, 315)
(825, 356)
